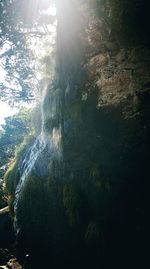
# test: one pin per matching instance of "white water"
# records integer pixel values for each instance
(40, 157)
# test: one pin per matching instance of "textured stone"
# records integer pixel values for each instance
(98, 207)
(121, 76)
(121, 56)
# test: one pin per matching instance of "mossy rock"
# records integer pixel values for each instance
(71, 203)
(12, 175)
(92, 233)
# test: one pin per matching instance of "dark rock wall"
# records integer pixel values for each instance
(96, 214)
(106, 83)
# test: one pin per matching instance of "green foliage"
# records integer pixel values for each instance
(27, 142)
(22, 23)
(11, 179)
(12, 176)
(14, 130)
(2, 194)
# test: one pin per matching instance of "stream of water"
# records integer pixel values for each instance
(41, 157)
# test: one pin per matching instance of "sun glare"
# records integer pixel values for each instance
(2, 74)
(35, 44)
(50, 11)
(5, 111)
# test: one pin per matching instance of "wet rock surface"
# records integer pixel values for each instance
(5, 255)
(8, 260)
(95, 212)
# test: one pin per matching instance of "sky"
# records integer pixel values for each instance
(5, 111)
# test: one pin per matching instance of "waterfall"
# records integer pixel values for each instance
(43, 158)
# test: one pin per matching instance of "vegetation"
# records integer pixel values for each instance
(20, 30)
(12, 134)
(12, 175)
(83, 207)
(24, 72)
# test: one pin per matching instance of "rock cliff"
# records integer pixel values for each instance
(94, 212)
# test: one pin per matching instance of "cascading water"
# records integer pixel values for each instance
(45, 154)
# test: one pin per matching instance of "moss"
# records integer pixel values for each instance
(76, 112)
(11, 178)
(50, 123)
(71, 203)
(52, 109)
(92, 232)
(94, 171)
(21, 149)
(32, 195)
(98, 181)
(12, 175)
(40, 212)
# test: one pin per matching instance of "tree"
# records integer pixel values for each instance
(13, 133)
(14, 130)
(22, 25)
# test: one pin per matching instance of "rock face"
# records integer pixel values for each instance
(95, 212)
(121, 78)
(6, 229)
(106, 145)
